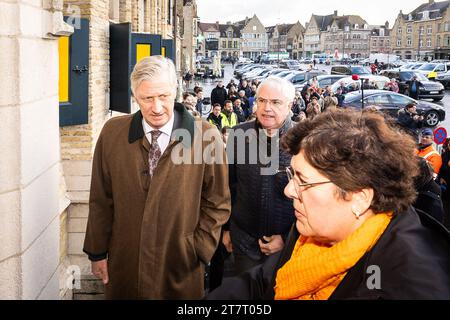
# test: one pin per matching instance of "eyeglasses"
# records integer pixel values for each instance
(275, 102)
(298, 186)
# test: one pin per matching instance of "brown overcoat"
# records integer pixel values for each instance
(158, 233)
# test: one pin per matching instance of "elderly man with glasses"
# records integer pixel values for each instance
(261, 214)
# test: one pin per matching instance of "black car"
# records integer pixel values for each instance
(349, 70)
(429, 89)
(390, 103)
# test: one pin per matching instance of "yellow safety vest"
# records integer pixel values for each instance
(229, 123)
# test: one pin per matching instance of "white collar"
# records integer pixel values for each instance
(166, 129)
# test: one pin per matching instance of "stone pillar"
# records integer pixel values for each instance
(30, 161)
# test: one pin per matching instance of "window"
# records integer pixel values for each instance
(429, 30)
(428, 43)
(421, 30)
(421, 43)
(398, 99)
(409, 42)
(438, 41)
(447, 41)
(378, 99)
(224, 44)
(399, 43)
(230, 34)
(374, 44)
(230, 44)
(74, 85)
(409, 29)
(400, 30)
(235, 44)
(254, 28)
(447, 26)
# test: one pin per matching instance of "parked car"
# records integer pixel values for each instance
(444, 79)
(390, 103)
(432, 70)
(324, 81)
(298, 77)
(428, 90)
(349, 70)
(289, 64)
(380, 82)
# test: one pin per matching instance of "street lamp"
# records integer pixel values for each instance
(356, 77)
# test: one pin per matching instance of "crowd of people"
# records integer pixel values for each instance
(338, 196)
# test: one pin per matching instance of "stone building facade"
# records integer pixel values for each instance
(313, 42)
(424, 33)
(46, 166)
(348, 35)
(380, 39)
(254, 40)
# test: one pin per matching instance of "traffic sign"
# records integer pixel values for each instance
(440, 134)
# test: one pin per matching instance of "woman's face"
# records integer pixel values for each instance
(321, 214)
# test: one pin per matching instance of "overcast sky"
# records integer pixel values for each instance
(271, 12)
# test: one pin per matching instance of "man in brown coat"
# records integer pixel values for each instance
(156, 208)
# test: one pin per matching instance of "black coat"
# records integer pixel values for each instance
(259, 206)
(219, 95)
(413, 256)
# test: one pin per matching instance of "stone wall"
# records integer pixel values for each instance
(29, 135)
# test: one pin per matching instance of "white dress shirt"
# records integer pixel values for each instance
(164, 138)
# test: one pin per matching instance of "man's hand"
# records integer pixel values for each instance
(274, 244)
(226, 240)
(100, 270)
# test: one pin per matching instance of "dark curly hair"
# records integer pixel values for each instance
(359, 150)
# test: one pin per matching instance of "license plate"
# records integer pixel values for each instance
(434, 92)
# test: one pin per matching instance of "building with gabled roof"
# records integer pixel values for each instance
(424, 33)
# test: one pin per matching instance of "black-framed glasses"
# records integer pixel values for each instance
(298, 186)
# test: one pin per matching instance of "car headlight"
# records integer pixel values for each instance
(441, 87)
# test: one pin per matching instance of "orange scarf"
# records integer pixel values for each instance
(314, 271)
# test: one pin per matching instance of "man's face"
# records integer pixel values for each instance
(229, 107)
(237, 103)
(220, 84)
(217, 110)
(272, 107)
(190, 101)
(156, 100)
(426, 140)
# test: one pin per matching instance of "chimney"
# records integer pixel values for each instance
(386, 24)
(430, 1)
(335, 13)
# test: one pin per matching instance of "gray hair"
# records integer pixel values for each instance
(152, 67)
(285, 86)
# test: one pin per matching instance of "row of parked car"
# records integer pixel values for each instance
(386, 101)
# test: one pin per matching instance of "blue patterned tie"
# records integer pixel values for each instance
(155, 152)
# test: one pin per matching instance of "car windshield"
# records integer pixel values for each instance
(351, 97)
(428, 67)
(407, 76)
(416, 66)
(360, 70)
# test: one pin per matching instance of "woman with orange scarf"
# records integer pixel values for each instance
(356, 236)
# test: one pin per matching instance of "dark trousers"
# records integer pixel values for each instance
(243, 262)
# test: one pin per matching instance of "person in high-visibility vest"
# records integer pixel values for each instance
(215, 117)
(428, 152)
(229, 118)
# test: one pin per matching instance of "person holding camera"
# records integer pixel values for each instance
(410, 120)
